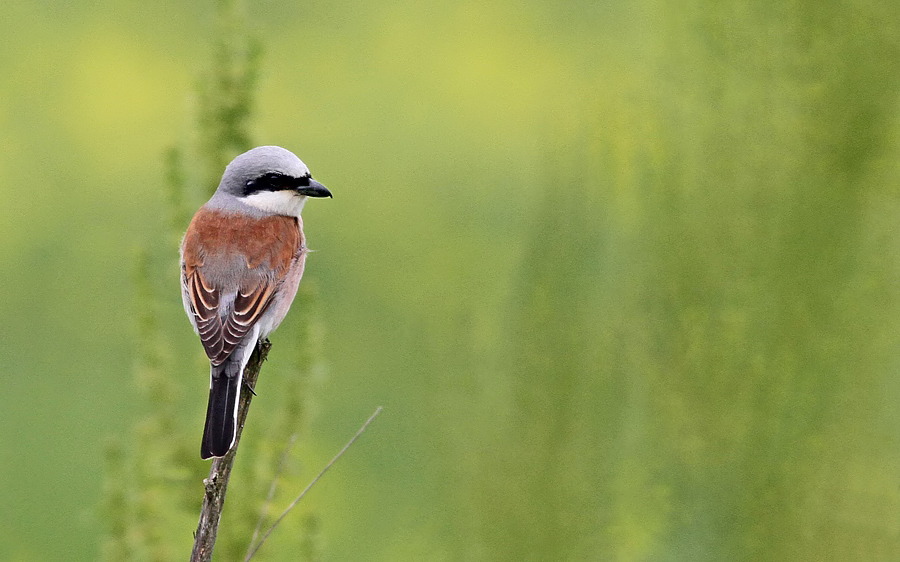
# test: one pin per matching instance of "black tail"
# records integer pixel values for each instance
(221, 412)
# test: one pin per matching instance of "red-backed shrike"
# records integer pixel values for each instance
(241, 261)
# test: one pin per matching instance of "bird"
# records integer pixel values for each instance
(242, 258)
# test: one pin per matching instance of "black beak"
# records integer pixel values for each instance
(314, 189)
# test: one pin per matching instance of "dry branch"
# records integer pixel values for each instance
(216, 485)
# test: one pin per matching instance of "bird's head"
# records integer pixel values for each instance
(271, 179)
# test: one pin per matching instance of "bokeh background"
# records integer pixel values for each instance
(623, 274)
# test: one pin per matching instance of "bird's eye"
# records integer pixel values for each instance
(272, 181)
(276, 180)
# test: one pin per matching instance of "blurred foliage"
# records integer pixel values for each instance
(703, 379)
(622, 274)
(225, 102)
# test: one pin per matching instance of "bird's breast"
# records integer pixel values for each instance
(217, 240)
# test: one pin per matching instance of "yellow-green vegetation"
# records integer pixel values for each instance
(622, 274)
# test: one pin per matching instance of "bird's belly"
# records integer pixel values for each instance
(282, 300)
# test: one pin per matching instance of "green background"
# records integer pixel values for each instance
(623, 274)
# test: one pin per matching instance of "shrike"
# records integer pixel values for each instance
(241, 261)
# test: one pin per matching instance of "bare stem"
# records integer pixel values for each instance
(311, 484)
(216, 485)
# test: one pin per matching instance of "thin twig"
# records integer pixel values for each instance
(265, 508)
(216, 485)
(316, 479)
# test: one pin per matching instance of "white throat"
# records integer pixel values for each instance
(283, 202)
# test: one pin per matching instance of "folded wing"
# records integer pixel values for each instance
(221, 333)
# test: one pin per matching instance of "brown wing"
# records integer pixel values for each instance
(221, 338)
(261, 249)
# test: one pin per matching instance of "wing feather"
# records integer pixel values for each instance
(221, 335)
